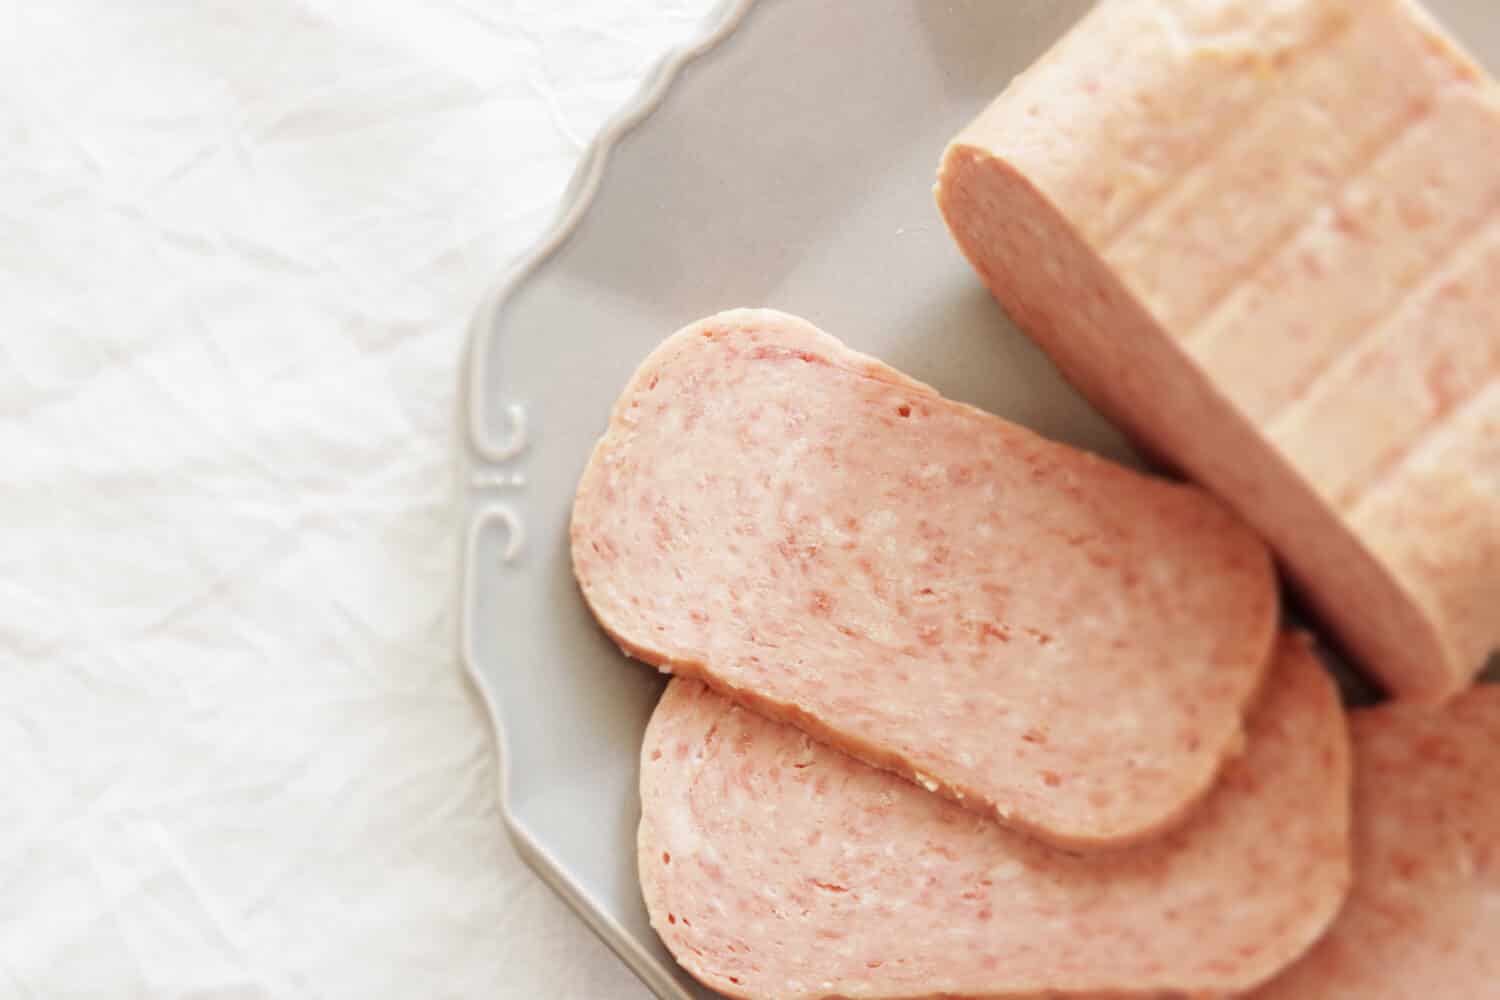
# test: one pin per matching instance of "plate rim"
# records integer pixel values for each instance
(479, 452)
(481, 455)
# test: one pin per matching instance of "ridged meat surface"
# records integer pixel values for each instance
(1264, 237)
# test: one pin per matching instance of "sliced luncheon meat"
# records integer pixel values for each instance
(1423, 918)
(1027, 629)
(776, 867)
(1265, 238)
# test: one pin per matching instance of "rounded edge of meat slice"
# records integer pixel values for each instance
(773, 866)
(1081, 672)
(1423, 917)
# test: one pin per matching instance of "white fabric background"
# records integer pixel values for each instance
(239, 242)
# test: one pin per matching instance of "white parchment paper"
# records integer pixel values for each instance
(239, 243)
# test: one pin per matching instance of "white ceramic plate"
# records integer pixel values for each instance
(785, 160)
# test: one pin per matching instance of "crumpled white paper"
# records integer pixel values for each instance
(239, 243)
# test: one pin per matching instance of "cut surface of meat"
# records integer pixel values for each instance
(1264, 237)
(1423, 917)
(1032, 631)
(776, 867)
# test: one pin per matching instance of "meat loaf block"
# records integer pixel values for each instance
(1020, 626)
(775, 867)
(1423, 919)
(1265, 238)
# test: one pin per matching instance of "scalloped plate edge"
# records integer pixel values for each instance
(479, 449)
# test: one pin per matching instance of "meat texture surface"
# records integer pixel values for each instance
(1265, 238)
(1034, 632)
(1423, 919)
(776, 867)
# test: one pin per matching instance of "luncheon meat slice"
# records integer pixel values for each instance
(1265, 238)
(776, 867)
(1027, 629)
(1423, 919)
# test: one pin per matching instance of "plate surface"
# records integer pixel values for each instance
(786, 161)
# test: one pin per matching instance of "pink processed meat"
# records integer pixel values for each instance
(1423, 919)
(1265, 238)
(1027, 629)
(775, 867)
